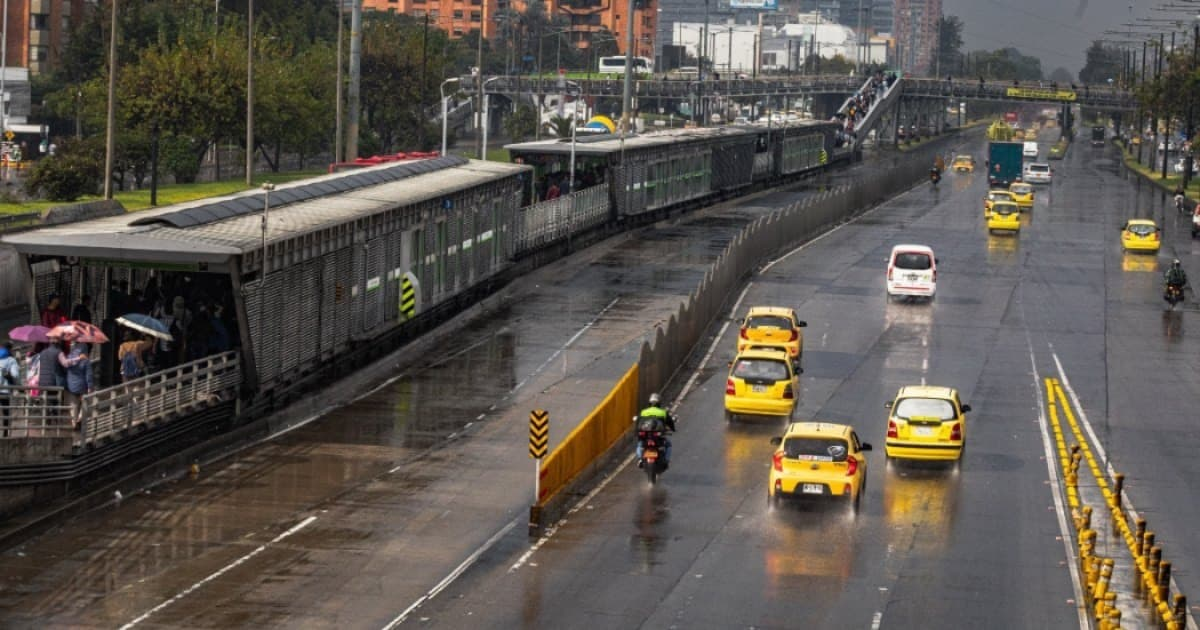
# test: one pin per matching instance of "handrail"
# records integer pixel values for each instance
(35, 412)
(160, 396)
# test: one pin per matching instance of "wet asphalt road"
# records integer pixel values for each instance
(932, 548)
(351, 520)
(347, 520)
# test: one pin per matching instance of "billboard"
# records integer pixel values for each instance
(762, 5)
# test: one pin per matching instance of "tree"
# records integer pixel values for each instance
(522, 123)
(72, 172)
(1061, 75)
(1103, 63)
(950, 43)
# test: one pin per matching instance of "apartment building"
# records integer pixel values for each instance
(916, 33)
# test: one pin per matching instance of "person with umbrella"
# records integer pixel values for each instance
(132, 357)
(79, 380)
(10, 374)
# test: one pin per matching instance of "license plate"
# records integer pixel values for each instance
(758, 389)
(812, 488)
(651, 456)
(911, 276)
(923, 431)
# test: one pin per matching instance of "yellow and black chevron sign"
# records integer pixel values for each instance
(824, 156)
(539, 433)
(408, 297)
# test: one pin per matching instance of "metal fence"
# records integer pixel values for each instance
(770, 234)
(34, 412)
(161, 396)
(549, 221)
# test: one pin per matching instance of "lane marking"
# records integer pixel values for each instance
(449, 579)
(1056, 490)
(876, 620)
(687, 387)
(563, 347)
(229, 567)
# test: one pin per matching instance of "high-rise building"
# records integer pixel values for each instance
(881, 16)
(588, 19)
(917, 35)
(38, 31)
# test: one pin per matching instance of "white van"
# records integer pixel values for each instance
(912, 271)
(1030, 150)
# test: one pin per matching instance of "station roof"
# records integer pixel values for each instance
(216, 229)
(609, 143)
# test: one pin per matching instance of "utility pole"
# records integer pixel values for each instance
(112, 104)
(627, 90)
(1189, 160)
(337, 132)
(250, 93)
(480, 115)
(1167, 120)
(355, 77)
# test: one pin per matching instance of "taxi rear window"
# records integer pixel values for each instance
(766, 370)
(815, 449)
(939, 408)
(1141, 229)
(997, 196)
(769, 321)
(1039, 168)
(913, 260)
(1021, 189)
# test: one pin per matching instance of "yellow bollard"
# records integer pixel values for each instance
(1150, 576)
(1100, 590)
(1139, 532)
(1180, 611)
(1147, 542)
(1118, 486)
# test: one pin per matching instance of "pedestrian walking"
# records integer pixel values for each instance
(79, 381)
(53, 314)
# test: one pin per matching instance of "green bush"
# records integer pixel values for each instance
(74, 171)
(178, 157)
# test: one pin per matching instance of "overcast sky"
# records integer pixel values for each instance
(1056, 31)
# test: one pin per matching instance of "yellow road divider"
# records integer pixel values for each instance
(1152, 582)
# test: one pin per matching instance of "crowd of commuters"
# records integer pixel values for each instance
(860, 105)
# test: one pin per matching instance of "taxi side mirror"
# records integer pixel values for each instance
(866, 446)
(776, 441)
(887, 405)
(966, 408)
(802, 324)
(730, 364)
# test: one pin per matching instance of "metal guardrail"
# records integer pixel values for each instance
(666, 88)
(160, 396)
(25, 219)
(1088, 96)
(35, 412)
(554, 220)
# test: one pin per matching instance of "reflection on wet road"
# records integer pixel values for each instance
(934, 546)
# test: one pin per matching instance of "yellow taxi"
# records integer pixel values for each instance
(1140, 235)
(767, 326)
(963, 164)
(1003, 215)
(761, 383)
(1022, 194)
(997, 195)
(819, 459)
(926, 423)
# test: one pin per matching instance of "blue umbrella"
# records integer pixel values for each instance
(146, 324)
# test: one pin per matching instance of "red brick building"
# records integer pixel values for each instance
(587, 17)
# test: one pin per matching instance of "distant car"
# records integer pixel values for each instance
(741, 120)
(1180, 165)
(761, 383)
(1003, 216)
(1038, 173)
(819, 459)
(1140, 235)
(1022, 194)
(926, 423)
(773, 326)
(963, 164)
(1030, 150)
(912, 271)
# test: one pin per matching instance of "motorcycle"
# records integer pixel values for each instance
(1173, 295)
(654, 453)
(1180, 204)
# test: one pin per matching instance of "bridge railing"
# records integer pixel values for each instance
(34, 412)
(667, 88)
(160, 396)
(554, 220)
(1088, 95)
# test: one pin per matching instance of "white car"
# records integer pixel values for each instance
(1179, 166)
(1037, 173)
(1030, 150)
(912, 271)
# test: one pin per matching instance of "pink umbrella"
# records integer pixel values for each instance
(30, 334)
(77, 331)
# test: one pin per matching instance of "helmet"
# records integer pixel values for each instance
(1175, 263)
(655, 399)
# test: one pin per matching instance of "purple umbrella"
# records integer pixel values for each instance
(29, 334)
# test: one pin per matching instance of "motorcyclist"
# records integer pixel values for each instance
(655, 417)
(1180, 199)
(1175, 276)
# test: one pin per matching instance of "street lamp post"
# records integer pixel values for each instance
(250, 96)
(1189, 161)
(112, 97)
(442, 91)
(627, 90)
